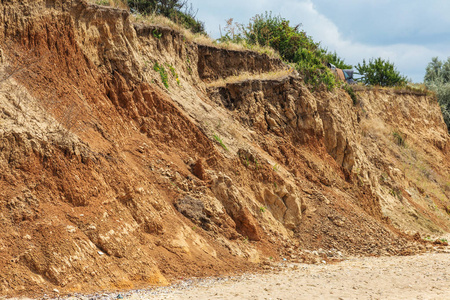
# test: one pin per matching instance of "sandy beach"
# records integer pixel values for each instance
(424, 276)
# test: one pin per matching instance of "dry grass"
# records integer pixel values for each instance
(202, 39)
(375, 126)
(257, 48)
(248, 76)
(122, 4)
(410, 89)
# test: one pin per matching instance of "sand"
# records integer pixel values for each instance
(424, 276)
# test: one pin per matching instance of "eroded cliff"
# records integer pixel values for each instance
(131, 156)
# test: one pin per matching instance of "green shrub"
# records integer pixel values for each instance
(380, 72)
(437, 79)
(338, 62)
(293, 44)
(188, 21)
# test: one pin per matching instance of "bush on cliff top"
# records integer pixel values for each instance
(309, 58)
(292, 43)
(380, 72)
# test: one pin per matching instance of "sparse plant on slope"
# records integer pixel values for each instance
(174, 74)
(163, 73)
(219, 140)
(437, 79)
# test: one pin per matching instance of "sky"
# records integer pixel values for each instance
(407, 33)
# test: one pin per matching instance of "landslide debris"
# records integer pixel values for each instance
(112, 175)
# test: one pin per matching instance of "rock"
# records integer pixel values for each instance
(199, 170)
(247, 225)
(193, 209)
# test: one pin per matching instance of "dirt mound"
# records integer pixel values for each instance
(121, 165)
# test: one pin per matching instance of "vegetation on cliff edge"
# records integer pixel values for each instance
(380, 72)
(293, 44)
(177, 11)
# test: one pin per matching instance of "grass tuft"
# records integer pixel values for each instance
(219, 140)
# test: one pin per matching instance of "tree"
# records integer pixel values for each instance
(437, 79)
(380, 72)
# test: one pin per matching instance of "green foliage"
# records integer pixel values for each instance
(219, 140)
(338, 62)
(157, 34)
(380, 72)
(187, 19)
(174, 74)
(163, 7)
(438, 71)
(293, 44)
(437, 79)
(263, 209)
(163, 73)
(171, 9)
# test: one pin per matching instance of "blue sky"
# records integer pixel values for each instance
(408, 33)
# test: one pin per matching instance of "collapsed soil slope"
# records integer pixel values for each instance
(130, 156)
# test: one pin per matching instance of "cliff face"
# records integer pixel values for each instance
(130, 156)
